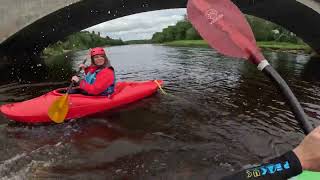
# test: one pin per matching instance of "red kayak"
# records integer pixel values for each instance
(36, 110)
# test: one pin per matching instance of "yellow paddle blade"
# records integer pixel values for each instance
(58, 110)
(159, 86)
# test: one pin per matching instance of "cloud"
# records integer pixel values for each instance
(139, 26)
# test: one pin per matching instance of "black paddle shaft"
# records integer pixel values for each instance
(72, 83)
(290, 97)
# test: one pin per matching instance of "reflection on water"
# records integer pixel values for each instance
(311, 71)
(221, 114)
(58, 68)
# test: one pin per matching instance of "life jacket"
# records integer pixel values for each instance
(90, 78)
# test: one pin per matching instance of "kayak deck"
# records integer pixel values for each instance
(35, 110)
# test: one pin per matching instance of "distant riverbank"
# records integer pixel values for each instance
(80, 41)
(272, 45)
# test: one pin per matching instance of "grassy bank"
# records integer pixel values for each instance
(281, 46)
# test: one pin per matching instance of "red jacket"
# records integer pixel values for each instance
(104, 79)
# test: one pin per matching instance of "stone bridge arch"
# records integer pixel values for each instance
(28, 26)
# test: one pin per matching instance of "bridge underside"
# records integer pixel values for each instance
(32, 39)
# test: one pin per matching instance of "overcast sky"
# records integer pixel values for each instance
(139, 26)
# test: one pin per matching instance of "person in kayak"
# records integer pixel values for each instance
(99, 76)
(306, 156)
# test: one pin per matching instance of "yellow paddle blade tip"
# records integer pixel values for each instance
(56, 117)
(159, 86)
(58, 110)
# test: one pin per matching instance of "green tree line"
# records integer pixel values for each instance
(183, 30)
(262, 29)
(81, 40)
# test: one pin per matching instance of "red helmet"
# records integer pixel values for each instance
(97, 51)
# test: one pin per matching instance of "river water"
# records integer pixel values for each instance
(221, 114)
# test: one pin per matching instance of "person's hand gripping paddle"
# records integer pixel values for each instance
(58, 110)
(225, 28)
